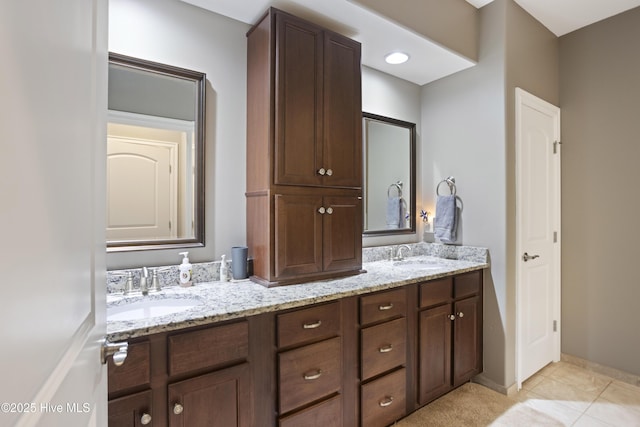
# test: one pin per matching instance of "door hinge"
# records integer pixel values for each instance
(555, 146)
(555, 326)
(555, 237)
(169, 225)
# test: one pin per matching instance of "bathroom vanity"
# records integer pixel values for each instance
(362, 350)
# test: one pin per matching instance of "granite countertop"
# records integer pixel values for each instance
(230, 300)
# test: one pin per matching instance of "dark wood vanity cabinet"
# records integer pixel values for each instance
(383, 350)
(195, 377)
(449, 334)
(130, 399)
(364, 360)
(317, 100)
(309, 365)
(314, 234)
(304, 151)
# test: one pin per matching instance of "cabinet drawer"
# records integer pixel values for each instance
(206, 348)
(383, 306)
(384, 400)
(325, 414)
(309, 324)
(384, 347)
(436, 292)
(467, 284)
(135, 371)
(309, 373)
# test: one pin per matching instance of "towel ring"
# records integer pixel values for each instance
(451, 182)
(397, 185)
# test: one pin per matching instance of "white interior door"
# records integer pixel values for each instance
(52, 166)
(141, 189)
(538, 233)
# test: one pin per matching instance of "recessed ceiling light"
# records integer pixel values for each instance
(396, 58)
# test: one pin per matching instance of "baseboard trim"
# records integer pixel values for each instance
(602, 369)
(484, 381)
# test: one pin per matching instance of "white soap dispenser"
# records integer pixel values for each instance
(224, 271)
(185, 270)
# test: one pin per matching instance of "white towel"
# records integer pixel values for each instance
(446, 221)
(393, 212)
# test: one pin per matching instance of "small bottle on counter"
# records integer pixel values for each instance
(224, 270)
(185, 270)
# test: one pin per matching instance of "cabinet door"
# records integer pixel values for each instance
(434, 353)
(298, 109)
(467, 348)
(131, 411)
(298, 244)
(342, 143)
(342, 233)
(220, 399)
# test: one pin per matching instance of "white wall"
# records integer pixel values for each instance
(175, 33)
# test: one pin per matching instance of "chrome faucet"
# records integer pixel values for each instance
(144, 277)
(395, 252)
(399, 255)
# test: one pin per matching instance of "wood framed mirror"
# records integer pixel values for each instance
(389, 149)
(155, 155)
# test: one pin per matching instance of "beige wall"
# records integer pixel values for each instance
(450, 23)
(600, 89)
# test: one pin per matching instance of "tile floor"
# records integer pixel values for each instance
(579, 397)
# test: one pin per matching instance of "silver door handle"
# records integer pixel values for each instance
(116, 349)
(526, 257)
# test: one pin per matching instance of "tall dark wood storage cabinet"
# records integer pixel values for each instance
(304, 151)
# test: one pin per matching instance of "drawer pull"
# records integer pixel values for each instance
(312, 325)
(312, 376)
(145, 419)
(385, 349)
(385, 307)
(386, 402)
(178, 408)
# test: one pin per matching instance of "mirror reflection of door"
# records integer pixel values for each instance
(138, 177)
(147, 171)
(389, 170)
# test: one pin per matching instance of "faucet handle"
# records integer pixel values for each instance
(155, 282)
(128, 287)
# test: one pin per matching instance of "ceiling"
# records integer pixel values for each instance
(429, 61)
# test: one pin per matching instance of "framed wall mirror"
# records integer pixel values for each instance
(155, 155)
(389, 149)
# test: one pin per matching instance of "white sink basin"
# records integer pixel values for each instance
(421, 264)
(148, 308)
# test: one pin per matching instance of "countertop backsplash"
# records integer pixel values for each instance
(462, 253)
(168, 275)
(210, 271)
